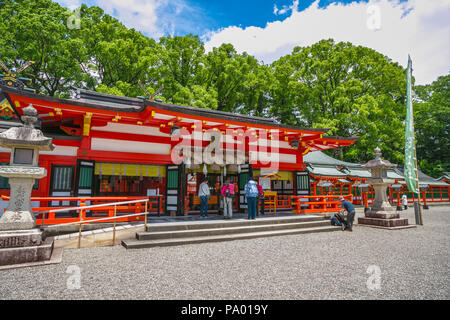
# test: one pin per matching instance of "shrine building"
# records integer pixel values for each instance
(109, 145)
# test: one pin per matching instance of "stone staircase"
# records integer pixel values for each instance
(179, 233)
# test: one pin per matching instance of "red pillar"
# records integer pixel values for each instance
(425, 206)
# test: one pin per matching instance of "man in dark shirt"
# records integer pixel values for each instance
(350, 213)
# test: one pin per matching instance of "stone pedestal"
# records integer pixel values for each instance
(24, 246)
(381, 214)
(18, 214)
(384, 221)
(21, 244)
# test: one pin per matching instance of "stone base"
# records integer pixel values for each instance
(17, 220)
(20, 238)
(389, 228)
(56, 258)
(385, 217)
(387, 223)
(24, 246)
(382, 215)
(384, 208)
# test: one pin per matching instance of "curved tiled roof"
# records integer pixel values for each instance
(320, 164)
(318, 157)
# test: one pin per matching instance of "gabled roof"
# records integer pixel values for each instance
(359, 173)
(102, 108)
(446, 175)
(426, 179)
(118, 102)
(318, 157)
(320, 164)
(323, 170)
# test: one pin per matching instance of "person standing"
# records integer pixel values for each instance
(260, 199)
(204, 194)
(228, 194)
(405, 202)
(251, 192)
(350, 213)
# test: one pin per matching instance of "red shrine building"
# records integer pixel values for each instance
(109, 146)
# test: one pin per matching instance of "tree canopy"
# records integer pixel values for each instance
(432, 124)
(353, 90)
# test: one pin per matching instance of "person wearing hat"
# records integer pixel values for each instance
(347, 205)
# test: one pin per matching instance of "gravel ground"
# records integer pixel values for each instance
(414, 264)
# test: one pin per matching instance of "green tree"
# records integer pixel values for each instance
(116, 57)
(37, 30)
(256, 99)
(432, 125)
(226, 74)
(181, 62)
(353, 90)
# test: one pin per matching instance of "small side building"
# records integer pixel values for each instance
(332, 176)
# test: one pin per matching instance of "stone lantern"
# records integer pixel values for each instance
(20, 242)
(381, 214)
(25, 143)
(380, 182)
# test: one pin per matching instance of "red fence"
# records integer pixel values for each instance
(318, 204)
(154, 205)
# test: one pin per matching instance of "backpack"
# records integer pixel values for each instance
(338, 220)
(229, 193)
(229, 190)
(252, 189)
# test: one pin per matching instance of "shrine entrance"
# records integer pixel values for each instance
(216, 179)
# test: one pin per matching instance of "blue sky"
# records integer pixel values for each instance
(201, 16)
(244, 13)
(269, 29)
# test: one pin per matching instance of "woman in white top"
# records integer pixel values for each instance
(405, 201)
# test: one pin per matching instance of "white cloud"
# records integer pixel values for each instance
(137, 14)
(275, 9)
(416, 27)
(293, 8)
(71, 4)
(155, 18)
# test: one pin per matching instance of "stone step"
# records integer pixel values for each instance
(211, 224)
(137, 244)
(230, 228)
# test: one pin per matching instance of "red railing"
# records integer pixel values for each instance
(284, 201)
(318, 204)
(45, 214)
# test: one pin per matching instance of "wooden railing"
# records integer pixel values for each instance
(188, 204)
(284, 201)
(82, 219)
(270, 201)
(317, 204)
(46, 215)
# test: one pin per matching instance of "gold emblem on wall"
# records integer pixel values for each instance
(6, 111)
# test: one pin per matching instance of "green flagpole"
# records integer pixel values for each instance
(411, 167)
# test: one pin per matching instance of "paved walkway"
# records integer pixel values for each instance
(413, 264)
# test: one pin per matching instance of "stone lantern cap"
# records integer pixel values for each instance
(378, 163)
(26, 135)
